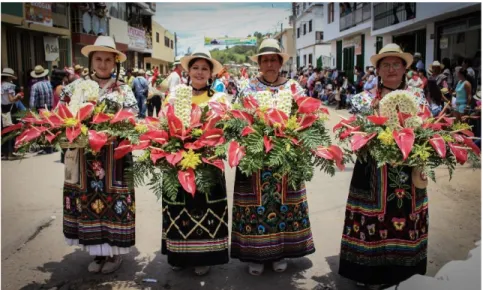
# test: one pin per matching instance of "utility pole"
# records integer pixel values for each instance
(175, 45)
(294, 32)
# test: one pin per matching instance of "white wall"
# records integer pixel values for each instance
(429, 45)
(317, 25)
(118, 29)
(369, 48)
(332, 30)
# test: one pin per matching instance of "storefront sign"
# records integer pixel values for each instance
(51, 48)
(353, 41)
(137, 38)
(443, 43)
(39, 13)
(231, 41)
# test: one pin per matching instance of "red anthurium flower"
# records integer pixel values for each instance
(295, 141)
(439, 145)
(425, 113)
(212, 137)
(124, 115)
(468, 133)
(216, 162)
(12, 128)
(210, 123)
(469, 142)
(402, 117)
(358, 141)
(151, 121)
(344, 122)
(279, 132)
(332, 152)
(122, 149)
(275, 116)
(187, 181)
(306, 121)
(158, 136)
(142, 145)
(324, 110)
(174, 158)
(434, 126)
(85, 111)
(157, 154)
(29, 135)
(458, 137)
(378, 120)
(100, 118)
(250, 103)
(449, 120)
(247, 131)
(72, 132)
(54, 121)
(308, 105)
(195, 116)
(242, 116)
(64, 112)
(460, 153)
(348, 132)
(268, 143)
(51, 137)
(235, 153)
(195, 145)
(97, 140)
(219, 108)
(176, 127)
(404, 140)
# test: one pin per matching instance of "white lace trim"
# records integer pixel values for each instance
(100, 250)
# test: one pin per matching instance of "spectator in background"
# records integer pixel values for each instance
(463, 94)
(129, 78)
(371, 81)
(423, 77)
(8, 105)
(359, 84)
(434, 97)
(413, 79)
(418, 60)
(471, 75)
(436, 69)
(141, 89)
(447, 72)
(58, 80)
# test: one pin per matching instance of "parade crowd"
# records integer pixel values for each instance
(383, 241)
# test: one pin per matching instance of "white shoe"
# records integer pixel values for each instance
(112, 264)
(200, 271)
(256, 269)
(279, 266)
(96, 265)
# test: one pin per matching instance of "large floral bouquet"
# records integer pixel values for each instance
(404, 133)
(180, 148)
(83, 123)
(284, 132)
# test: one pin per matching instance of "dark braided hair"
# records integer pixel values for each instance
(210, 80)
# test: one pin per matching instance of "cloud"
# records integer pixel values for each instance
(193, 21)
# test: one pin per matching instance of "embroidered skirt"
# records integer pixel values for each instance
(195, 229)
(99, 208)
(385, 235)
(270, 222)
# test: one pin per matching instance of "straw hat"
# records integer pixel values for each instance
(85, 72)
(8, 72)
(436, 63)
(477, 96)
(149, 73)
(270, 46)
(417, 55)
(39, 72)
(103, 43)
(141, 72)
(392, 49)
(202, 53)
(135, 71)
(177, 60)
(78, 67)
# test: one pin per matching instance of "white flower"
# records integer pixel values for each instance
(284, 101)
(265, 99)
(402, 101)
(182, 103)
(83, 91)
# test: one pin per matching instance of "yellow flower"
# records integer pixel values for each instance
(323, 117)
(84, 129)
(70, 122)
(421, 152)
(292, 123)
(145, 156)
(141, 128)
(448, 138)
(288, 147)
(99, 108)
(386, 137)
(110, 115)
(46, 114)
(197, 132)
(190, 160)
(461, 126)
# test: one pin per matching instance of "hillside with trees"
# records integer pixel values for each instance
(238, 54)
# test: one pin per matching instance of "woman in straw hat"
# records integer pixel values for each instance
(195, 229)
(385, 234)
(8, 109)
(99, 208)
(255, 238)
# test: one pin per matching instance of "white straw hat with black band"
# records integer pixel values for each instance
(392, 49)
(270, 46)
(103, 43)
(8, 72)
(205, 54)
(39, 72)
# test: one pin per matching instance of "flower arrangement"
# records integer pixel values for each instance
(405, 134)
(180, 149)
(284, 132)
(83, 123)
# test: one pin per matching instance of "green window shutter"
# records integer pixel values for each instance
(339, 55)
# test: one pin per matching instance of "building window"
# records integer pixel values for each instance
(305, 60)
(298, 32)
(171, 43)
(157, 37)
(166, 41)
(310, 59)
(310, 26)
(330, 12)
(305, 29)
(305, 5)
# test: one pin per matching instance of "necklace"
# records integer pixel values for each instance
(102, 78)
(270, 83)
(384, 87)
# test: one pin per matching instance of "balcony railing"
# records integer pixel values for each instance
(355, 17)
(387, 14)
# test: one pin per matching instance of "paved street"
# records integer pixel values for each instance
(35, 256)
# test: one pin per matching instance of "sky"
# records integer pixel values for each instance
(193, 21)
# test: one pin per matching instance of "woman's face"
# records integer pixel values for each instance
(270, 65)
(421, 75)
(391, 70)
(200, 73)
(103, 63)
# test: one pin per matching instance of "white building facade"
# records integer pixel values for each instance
(311, 49)
(436, 30)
